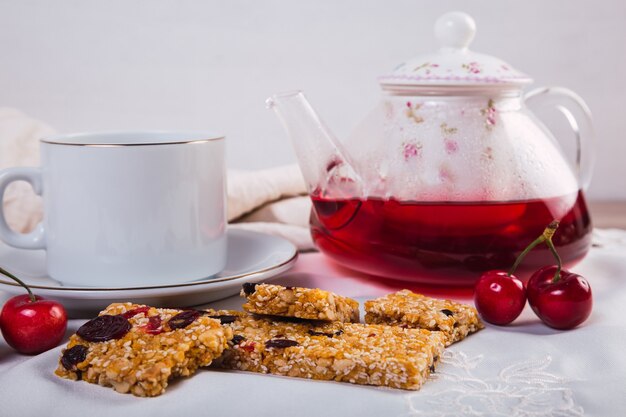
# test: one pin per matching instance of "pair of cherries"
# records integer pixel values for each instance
(560, 298)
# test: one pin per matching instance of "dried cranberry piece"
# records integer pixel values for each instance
(224, 318)
(315, 333)
(247, 346)
(183, 319)
(103, 328)
(154, 325)
(237, 339)
(280, 343)
(135, 311)
(249, 288)
(73, 356)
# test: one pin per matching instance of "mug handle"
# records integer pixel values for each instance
(35, 239)
(578, 115)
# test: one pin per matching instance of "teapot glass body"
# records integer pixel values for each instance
(445, 187)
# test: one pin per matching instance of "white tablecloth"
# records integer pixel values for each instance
(525, 369)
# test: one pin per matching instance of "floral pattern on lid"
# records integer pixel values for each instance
(454, 65)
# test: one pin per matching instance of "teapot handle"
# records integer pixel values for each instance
(578, 115)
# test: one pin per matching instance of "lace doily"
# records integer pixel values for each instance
(523, 389)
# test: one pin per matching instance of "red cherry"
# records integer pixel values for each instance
(499, 297)
(32, 327)
(31, 324)
(561, 304)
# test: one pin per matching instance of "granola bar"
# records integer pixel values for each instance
(408, 309)
(345, 352)
(304, 303)
(138, 349)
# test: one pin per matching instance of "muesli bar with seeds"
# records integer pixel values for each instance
(411, 310)
(357, 353)
(138, 349)
(298, 302)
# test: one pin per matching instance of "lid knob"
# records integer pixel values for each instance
(455, 30)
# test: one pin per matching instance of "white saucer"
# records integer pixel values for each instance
(252, 257)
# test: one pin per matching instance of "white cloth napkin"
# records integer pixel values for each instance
(19, 147)
(269, 201)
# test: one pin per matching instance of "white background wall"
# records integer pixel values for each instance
(117, 64)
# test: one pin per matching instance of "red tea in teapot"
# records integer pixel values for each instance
(446, 242)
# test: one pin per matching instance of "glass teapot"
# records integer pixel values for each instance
(450, 175)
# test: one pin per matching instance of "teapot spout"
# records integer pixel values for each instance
(325, 165)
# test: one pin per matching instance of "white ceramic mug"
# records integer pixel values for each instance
(126, 209)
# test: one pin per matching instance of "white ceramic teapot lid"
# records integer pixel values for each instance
(454, 65)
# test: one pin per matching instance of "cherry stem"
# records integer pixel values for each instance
(19, 281)
(522, 255)
(559, 264)
(546, 237)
